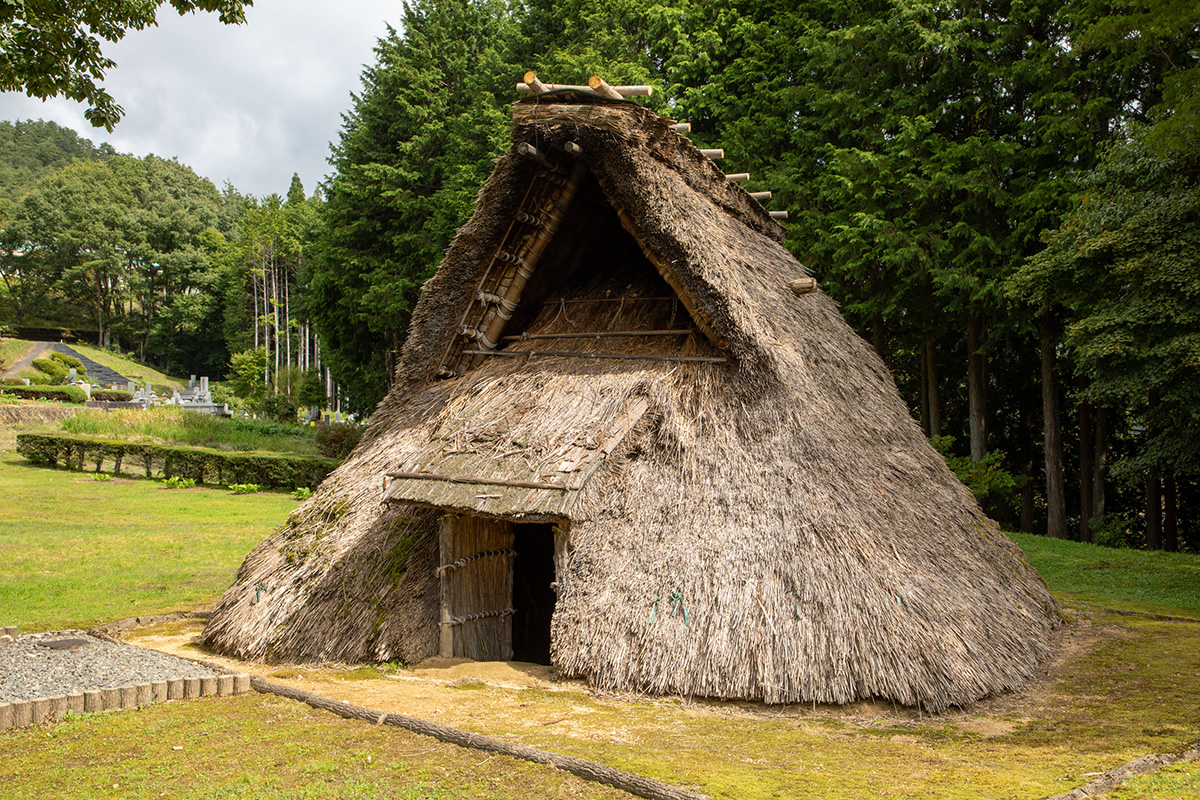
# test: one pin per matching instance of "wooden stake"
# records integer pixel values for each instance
(682, 127)
(778, 214)
(715, 152)
(802, 286)
(536, 86)
(761, 195)
(738, 176)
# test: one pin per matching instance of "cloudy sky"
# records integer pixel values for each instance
(247, 104)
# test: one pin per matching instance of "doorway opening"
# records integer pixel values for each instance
(533, 594)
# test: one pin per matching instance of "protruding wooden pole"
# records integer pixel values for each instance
(738, 176)
(802, 286)
(601, 87)
(778, 214)
(682, 127)
(713, 152)
(534, 85)
(573, 148)
(761, 195)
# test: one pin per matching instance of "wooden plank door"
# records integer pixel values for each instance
(477, 587)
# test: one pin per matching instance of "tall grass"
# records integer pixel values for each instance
(177, 426)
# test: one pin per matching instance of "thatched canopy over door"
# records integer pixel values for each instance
(477, 579)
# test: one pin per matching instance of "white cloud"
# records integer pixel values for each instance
(249, 104)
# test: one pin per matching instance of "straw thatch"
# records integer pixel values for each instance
(747, 509)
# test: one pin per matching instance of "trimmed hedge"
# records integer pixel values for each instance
(112, 395)
(67, 394)
(51, 367)
(67, 361)
(202, 464)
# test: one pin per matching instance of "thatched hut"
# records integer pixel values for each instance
(620, 443)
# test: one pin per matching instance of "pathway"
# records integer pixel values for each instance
(97, 373)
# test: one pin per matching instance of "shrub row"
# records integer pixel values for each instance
(202, 464)
(112, 395)
(66, 394)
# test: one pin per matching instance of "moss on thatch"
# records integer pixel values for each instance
(770, 524)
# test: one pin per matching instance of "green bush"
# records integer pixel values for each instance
(64, 394)
(112, 395)
(67, 361)
(201, 464)
(280, 408)
(337, 440)
(244, 488)
(993, 486)
(176, 482)
(302, 493)
(51, 368)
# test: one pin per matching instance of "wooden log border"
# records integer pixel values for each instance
(588, 770)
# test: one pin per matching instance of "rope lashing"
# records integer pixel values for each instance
(678, 598)
(506, 612)
(462, 562)
(653, 614)
(258, 590)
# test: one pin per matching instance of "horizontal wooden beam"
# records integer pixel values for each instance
(778, 214)
(761, 195)
(595, 334)
(621, 356)
(624, 91)
(682, 127)
(438, 476)
(738, 176)
(713, 152)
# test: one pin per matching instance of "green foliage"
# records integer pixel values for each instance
(112, 395)
(176, 482)
(53, 49)
(337, 440)
(409, 162)
(30, 149)
(247, 374)
(63, 394)
(280, 408)
(244, 488)
(51, 368)
(311, 392)
(174, 425)
(204, 465)
(993, 486)
(1125, 269)
(66, 360)
(301, 493)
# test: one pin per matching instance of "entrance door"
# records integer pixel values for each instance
(477, 588)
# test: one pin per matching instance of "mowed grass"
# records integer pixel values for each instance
(1153, 582)
(134, 371)
(75, 551)
(11, 351)
(171, 425)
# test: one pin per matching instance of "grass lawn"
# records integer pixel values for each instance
(74, 551)
(131, 369)
(11, 350)
(171, 425)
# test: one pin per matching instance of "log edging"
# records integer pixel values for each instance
(588, 770)
(1139, 766)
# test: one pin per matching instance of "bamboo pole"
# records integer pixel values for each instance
(620, 356)
(624, 91)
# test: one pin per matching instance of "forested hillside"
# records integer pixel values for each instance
(1002, 197)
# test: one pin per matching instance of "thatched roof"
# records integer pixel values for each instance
(758, 471)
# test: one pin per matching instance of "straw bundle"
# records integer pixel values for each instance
(768, 523)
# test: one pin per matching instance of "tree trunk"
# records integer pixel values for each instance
(1025, 413)
(935, 398)
(1099, 461)
(1056, 503)
(1170, 515)
(976, 388)
(878, 335)
(1087, 451)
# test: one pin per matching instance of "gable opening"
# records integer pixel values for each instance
(570, 281)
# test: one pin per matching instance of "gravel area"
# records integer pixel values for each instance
(29, 669)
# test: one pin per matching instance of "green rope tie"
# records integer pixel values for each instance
(678, 598)
(258, 590)
(653, 614)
